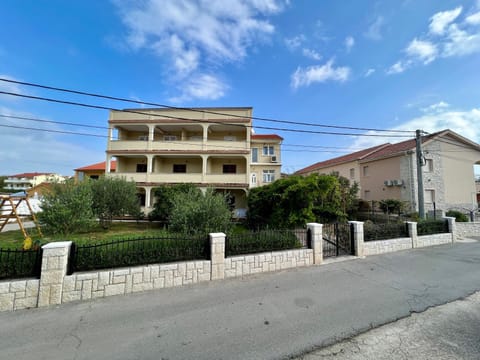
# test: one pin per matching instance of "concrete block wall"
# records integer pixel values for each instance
(432, 240)
(386, 246)
(95, 284)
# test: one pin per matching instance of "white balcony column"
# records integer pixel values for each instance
(108, 165)
(204, 167)
(149, 164)
(205, 135)
(148, 196)
(151, 132)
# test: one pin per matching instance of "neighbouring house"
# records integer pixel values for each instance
(389, 171)
(208, 147)
(93, 171)
(25, 181)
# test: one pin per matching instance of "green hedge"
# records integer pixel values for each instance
(373, 232)
(429, 227)
(263, 241)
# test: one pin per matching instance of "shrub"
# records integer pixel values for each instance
(429, 227)
(162, 208)
(261, 241)
(67, 208)
(374, 232)
(459, 216)
(391, 206)
(196, 213)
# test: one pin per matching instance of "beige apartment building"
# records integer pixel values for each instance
(25, 181)
(389, 171)
(208, 147)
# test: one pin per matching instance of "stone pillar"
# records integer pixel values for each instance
(317, 241)
(54, 269)
(357, 228)
(412, 233)
(217, 255)
(452, 227)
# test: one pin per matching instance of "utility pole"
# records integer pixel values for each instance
(420, 164)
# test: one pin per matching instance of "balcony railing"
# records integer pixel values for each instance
(183, 177)
(190, 145)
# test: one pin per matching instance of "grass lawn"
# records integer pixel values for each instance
(14, 239)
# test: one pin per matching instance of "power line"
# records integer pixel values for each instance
(194, 109)
(53, 131)
(53, 122)
(99, 107)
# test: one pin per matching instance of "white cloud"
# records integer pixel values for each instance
(440, 118)
(460, 42)
(374, 31)
(294, 42)
(440, 106)
(424, 51)
(319, 73)
(197, 36)
(349, 43)
(312, 54)
(9, 87)
(398, 67)
(369, 72)
(440, 21)
(473, 19)
(203, 86)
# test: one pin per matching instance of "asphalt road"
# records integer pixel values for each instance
(271, 316)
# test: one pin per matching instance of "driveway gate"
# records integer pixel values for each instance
(337, 240)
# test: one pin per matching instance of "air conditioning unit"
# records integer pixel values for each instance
(273, 158)
(398, 182)
(388, 183)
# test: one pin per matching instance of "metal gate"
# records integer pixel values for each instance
(337, 240)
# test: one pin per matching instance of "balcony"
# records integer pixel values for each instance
(183, 177)
(177, 145)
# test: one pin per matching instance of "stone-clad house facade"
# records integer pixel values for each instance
(389, 171)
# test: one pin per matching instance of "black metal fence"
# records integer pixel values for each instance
(373, 232)
(140, 251)
(20, 264)
(265, 240)
(430, 227)
(337, 239)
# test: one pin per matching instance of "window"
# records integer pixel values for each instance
(428, 165)
(230, 138)
(429, 196)
(367, 195)
(268, 176)
(268, 150)
(352, 173)
(253, 180)
(229, 169)
(179, 168)
(254, 155)
(141, 199)
(365, 171)
(94, 177)
(141, 168)
(169, 137)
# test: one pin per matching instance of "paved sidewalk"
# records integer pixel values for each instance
(271, 316)
(445, 332)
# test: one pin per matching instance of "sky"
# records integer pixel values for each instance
(395, 65)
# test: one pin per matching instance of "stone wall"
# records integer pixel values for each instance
(386, 246)
(432, 240)
(18, 294)
(466, 229)
(265, 262)
(90, 285)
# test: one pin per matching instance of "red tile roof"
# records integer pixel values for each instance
(30, 175)
(359, 155)
(98, 166)
(266, 137)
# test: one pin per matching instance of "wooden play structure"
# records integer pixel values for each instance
(9, 214)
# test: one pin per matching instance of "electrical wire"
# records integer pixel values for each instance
(83, 93)
(191, 120)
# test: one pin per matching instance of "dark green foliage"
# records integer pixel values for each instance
(141, 251)
(374, 231)
(459, 216)
(429, 227)
(163, 206)
(113, 196)
(391, 206)
(19, 263)
(67, 209)
(297, 200)
(196, 213)
(261, 241)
